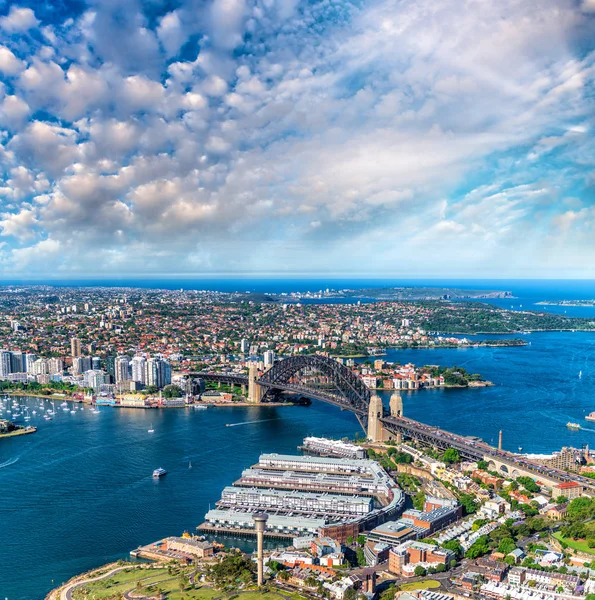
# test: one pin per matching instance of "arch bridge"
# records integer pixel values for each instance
(314, 376)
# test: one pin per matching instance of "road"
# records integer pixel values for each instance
(66, 593)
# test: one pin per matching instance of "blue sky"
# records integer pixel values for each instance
(386, 137)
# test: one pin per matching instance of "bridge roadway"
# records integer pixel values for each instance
(505, 462)
(478, 450)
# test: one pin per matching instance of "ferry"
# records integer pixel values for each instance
(159, 473)
(590, 416)
(571, 425)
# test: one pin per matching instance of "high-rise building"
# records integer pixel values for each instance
(80, 364)
(122, 369)
(55, 366)
(244, 347)
(94, 378)
(110, 366)
(96, 363)
(5, 363)
(40, 367)
(158, 372)
(75, 347)
(139, 369)
(17, 363)
(29, 360)
(269, 359)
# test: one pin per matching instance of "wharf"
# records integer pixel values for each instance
(21, 431)
(208, 528)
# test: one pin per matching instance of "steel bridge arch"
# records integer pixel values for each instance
(350, 392)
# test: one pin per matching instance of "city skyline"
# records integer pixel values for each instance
(247, 137)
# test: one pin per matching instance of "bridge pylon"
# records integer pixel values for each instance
(375, 413)
(396, 410)
(255, 390)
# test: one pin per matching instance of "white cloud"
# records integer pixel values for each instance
(9, 63)
(338, 124)
(18, 20)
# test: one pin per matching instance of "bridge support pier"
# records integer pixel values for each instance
(376, 431)
(396, 410)
(243, 389)
(255, 390)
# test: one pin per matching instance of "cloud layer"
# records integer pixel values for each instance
(253, 136)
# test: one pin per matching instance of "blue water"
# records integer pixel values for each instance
(79, 492)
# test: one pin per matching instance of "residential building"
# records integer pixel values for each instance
(75, 347)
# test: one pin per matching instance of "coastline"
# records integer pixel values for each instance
(17, 432)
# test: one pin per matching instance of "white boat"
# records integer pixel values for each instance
(151, 430)
(580, 374)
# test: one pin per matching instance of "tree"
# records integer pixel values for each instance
(482, 465)
(172, 391)
(349, 540)
(561, 499)
(419, 571)
(478, 548)
(350, 594)
(361, 540)
(451, 456)
(455, 546)
(419, 500)
(506, 545)
(440, 568)
(361, 558)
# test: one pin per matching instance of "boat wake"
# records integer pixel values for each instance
(249, 422)
(9, 462)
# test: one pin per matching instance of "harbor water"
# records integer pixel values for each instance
(80, 492)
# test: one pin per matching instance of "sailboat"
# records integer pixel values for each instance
(151, 430)
(190, 464)
(580, 374)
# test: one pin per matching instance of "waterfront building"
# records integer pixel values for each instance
(29, 360)
(5, 363)
(122, 369)
(17, 362)
(317, 463)
(196, 548)
(55, 366)
(80, 364)
(158, 372)
(292, 501)
(94, 378)
(75, 347)
(139, 369)
(40, 367)
(333, 448)
(280, 525)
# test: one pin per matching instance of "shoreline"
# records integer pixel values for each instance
(17, 432)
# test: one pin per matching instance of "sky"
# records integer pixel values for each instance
(283, 137)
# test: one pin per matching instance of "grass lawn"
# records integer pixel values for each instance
(428, 584)
(581, 546)
(125, 581)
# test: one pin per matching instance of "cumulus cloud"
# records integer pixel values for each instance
(9, 63)
(18, 20)
(434, 132)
